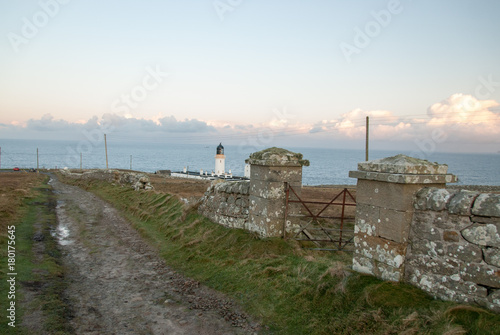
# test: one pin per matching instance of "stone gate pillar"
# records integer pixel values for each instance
(384, 210)
(269, 170)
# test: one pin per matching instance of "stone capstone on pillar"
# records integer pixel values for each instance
(270, 169)
(384, 209)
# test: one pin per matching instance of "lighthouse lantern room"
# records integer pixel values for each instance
(220, 161)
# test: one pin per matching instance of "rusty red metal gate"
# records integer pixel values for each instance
(319, 223)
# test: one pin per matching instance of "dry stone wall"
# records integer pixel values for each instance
(410, 227)
(384, 209)
(227, 203)
(136, 180)
(257, 205)
(454, 249)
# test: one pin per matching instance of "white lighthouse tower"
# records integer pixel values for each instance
(220, 161)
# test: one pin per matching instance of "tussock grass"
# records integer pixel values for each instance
(291, 290)
(40, 275)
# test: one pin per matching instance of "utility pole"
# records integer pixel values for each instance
(106, 148)
(367, 137)
(37, 159)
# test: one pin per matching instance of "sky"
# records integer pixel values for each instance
(275, 72)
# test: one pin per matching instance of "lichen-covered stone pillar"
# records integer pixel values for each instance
(384, 209)
(269, 170)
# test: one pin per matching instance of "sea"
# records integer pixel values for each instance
(327, 166)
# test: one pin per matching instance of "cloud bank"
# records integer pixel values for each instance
(457, 119)
(460, 117)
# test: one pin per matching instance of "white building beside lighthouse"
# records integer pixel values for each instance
(220, 161)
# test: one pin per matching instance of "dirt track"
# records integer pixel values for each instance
(118, 284)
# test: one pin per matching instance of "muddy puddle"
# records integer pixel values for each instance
(62, 231)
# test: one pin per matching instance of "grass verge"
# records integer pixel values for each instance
(291, 290)
(38, 297)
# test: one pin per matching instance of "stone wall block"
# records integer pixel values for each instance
(256, 224)
(401, 164)
(483, 234)
(435, 265)
(239, 223)
(428, 219)
(371, 266)
(264, 207)
(267, 190)
(447, 288)
(451, 236)
(492, 256)
(422, 227)
(382, 250)
(386, 195)
(484, 219)
(235, 210)
(219, 187)
(367, 219)
(244, 188)
(432, 198)
(265, 226)
(435, 180)
(387, 272)
(465, 252)
(421, 198)
(458, 222)
(461, 202)
(276, 173)
(427, 248)
(487, 204)
(493, 301)
(394, 225)
(482, 274)
(363, 264)
(245, 202)
(226, 204)
(463, 291)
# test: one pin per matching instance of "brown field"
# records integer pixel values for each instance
(193, 188)
(327, 194)
(184, 188)
(14, 186)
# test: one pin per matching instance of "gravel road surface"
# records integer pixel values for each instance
(119, 285)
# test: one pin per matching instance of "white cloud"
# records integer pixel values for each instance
(352, 125)
(466, 118)
(48, 123)
(462, 109)
(458, 118)
(170, 124)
